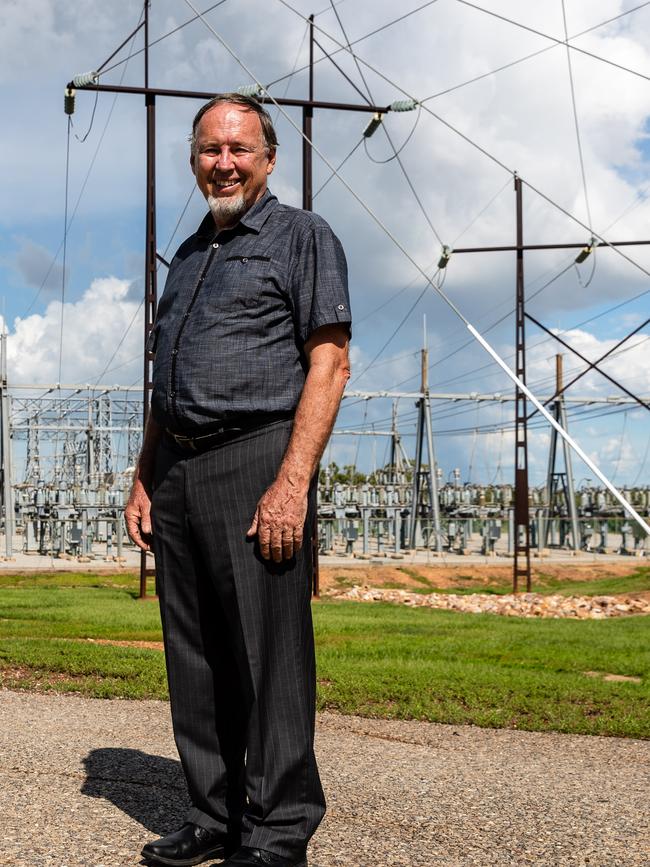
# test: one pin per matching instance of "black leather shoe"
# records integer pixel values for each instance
(186, 847)
(248, 857)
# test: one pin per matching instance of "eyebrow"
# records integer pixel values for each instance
(215, 143)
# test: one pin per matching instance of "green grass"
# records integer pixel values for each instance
(490, 671)
(373, 659)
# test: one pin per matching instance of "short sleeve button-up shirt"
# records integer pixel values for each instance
(237, 309)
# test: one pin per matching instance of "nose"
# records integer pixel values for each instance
(224, 160)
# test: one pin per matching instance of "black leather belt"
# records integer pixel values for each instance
(201, 441)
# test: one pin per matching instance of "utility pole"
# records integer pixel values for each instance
(150, 263)
(428, 477)
(307, 116)
(557, 481)
(7, 489)
(522, 519)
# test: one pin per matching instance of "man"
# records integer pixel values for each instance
(251, 359)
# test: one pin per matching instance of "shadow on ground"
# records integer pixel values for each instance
(149, 789)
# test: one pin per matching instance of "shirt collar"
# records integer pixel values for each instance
(253, 219)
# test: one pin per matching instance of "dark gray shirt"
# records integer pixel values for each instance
(237, 309)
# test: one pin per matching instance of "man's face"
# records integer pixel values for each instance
(230, 161)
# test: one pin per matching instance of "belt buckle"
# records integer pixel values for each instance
(183, 441)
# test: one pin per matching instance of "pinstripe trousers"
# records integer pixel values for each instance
(239, 644)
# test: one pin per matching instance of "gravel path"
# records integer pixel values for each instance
(85, 782)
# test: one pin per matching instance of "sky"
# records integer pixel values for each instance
(452, 184)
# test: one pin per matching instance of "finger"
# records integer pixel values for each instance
(287, 544)
(297, 539)
(276, 545)
(253, 527)
(264, 538)
(133, 529)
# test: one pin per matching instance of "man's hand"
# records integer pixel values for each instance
(137, 515)
(279, 520)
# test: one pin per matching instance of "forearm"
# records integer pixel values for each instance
(145, 466)
(313, 423)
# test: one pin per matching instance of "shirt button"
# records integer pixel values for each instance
(245, 259)
(172, 394)
(186, 316)
(175, 352)
(215, 245)
(341, 307)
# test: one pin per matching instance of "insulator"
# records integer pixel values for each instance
(68, 100)
(85, 78)
(373, 126)
(250, 90)
(586, 251)
(403, 105)
(445, 255)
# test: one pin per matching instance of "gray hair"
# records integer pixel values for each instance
(269, 137)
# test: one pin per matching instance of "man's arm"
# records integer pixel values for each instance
(138, 509)
(280, 515)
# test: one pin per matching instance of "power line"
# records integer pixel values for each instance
(65, 238)
(293, 71)
(531, 55)
(196, 18)
(449, 126)
(387, 134)
(81, 192)
(575, 116)
(338, 168)
(165, 35)
(554, 39)
(356, 41)
(393, 335)
(399, 149)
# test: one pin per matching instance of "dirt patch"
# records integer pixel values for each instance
(613, 678)
(147, 645)
(20, 676)
(418, 576)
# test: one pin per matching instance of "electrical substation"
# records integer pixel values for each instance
(68, 450)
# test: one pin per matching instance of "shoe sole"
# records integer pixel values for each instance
(219, 852)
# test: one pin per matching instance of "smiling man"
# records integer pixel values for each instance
(251, 359)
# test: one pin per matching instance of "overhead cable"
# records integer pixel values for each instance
(387, 134)
(359, 39)
(554, 39)
(80, 196)
(338, 168)
(120, 46)
(532, 54)
(65, 239)
(488, 348)
(165, 35)
(462, 135)
(575, 115)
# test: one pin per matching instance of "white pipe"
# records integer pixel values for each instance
(558, 427)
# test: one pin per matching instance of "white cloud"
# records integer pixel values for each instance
(92, 328)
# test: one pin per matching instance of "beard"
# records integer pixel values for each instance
(227, 211)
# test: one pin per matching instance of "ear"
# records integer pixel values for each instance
(271, 163)
(192, 166)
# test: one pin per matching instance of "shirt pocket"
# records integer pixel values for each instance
(239, 283)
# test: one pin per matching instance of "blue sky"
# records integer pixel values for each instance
(522, 115)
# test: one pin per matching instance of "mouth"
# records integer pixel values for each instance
(226, 186)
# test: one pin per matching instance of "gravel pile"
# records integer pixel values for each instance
(510, 605)
(85, 782)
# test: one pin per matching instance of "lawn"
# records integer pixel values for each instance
(374, 660)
